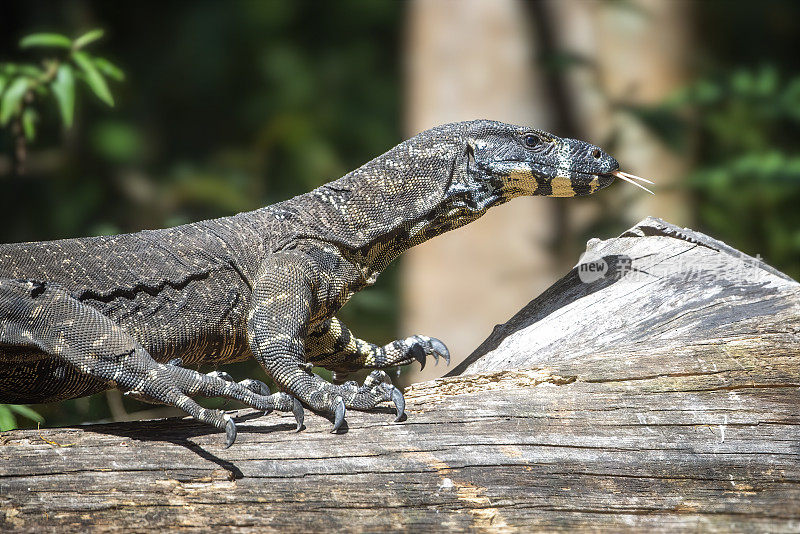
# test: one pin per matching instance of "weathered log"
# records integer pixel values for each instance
(663, 289)
(639, 400)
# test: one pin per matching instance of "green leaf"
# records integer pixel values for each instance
(64, 90)
(7, 421)
(11, 102)
(109, 69)
(29, 118)
(3, 82)
(94, 79)
(25, 69)
(46, 39)
(26, 412)
(31, 71)
(88, 37)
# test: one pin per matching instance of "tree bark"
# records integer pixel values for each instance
(660, 396)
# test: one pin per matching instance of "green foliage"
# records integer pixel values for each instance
(11, 101)
(746, 182)
(87, 38)
(93, 77)
(29, 118)
(46, 39)
(63, 87)
(22, 86)
(109, 69)
(8, 420)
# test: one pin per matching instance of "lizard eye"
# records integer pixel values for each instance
(532, 141)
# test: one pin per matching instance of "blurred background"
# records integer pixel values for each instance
(222, 107)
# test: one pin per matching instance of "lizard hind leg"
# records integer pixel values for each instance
(44, 317)
(216, 384)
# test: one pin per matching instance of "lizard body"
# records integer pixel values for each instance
(79, 316)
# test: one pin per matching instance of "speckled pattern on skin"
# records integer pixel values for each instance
(78, 316)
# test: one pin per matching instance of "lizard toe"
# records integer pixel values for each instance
(222, 375)
(399, 403)
(418, 353)
(440, 349)
(338, 413)
(420, 347)
(299, 414)
(256, 386)
(230, 431)
(374, 379)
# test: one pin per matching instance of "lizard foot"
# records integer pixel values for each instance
(253, 393)
(420, 347)
(260, 388)
(377, 388)
(335, 400)
(256, 386)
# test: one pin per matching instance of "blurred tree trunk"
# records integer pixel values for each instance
(479, 59)
(468, 60)
(638, 53)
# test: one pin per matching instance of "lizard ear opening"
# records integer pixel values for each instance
(471, 156)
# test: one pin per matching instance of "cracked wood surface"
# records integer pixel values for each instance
(682, 413)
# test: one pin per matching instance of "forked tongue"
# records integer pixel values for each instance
(631, 179)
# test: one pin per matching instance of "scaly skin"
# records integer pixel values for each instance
(79, 316)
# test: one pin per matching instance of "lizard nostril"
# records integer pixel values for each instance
(596, 153)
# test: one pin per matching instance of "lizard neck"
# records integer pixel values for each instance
(422, 188)
(409, 194)
(466, 200)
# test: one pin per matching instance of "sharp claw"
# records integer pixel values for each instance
(230, 431)
(297, 410)
(399, 403)
(338, 414)
(440, 348)
(418, 353)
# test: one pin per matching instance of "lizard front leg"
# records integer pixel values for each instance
(286, 292)
(334, 347)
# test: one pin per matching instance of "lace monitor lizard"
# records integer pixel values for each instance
(79, 316)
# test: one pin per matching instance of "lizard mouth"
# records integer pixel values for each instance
(509, 167)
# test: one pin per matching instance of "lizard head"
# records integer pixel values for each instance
(524, 161)
(449, 176)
